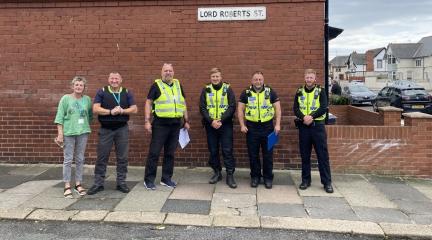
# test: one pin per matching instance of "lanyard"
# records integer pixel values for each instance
(116, 95)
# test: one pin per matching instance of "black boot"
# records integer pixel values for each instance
(230, 180)
(217, 176)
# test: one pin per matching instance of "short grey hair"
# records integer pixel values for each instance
(79, 79)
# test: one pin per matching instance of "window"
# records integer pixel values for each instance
(338, 69)
(418, 62)
(393, 75)
(391, 59)
(409, 75)
(379, 63)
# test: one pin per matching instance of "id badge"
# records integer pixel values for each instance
(81, 121)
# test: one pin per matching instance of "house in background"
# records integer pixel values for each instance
(423, 61)
(375, 60)
(400, 64)
(356, 63)
(411, 61)
(338, 68)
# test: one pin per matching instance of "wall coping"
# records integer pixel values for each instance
(390, 109)
(417, 115)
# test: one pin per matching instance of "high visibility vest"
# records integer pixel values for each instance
(259, 107)
(170, 103)
(309, 102)
(217, 101)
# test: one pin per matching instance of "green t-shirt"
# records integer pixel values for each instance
(74, 114)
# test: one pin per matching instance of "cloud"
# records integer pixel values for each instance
(374, 25)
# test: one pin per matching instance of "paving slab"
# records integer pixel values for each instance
(106, 204)
(323, 225)
(281, 210)
(53, 173)
(49, 214)
(196, 175)
(233, 204)
(243, 186)
(278, 194)
(8, 201)
(140, 199)
(401, 191)
(381, 215)
(15, 213)
(407, 230)
(424, 219)
(415, 207)
(422, 185)
(33, 187)
(328, 207)
(6, 168)
(189, 219)
(11, 181)
(236, 221)
(384, 179)
(195, 191)
(135, 217)
(282, 178)
(90, 215)
(44, 202)
(134, 174)
(2, 190)
(186, 206)
(30, 170)
(316, 189)
(359, 192)
(111, 192)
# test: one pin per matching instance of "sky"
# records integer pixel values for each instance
(370, 24)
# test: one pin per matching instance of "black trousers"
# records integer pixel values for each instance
(315, 136)
(256, 139)
(222, 137)
(107, 137)
(166, 137)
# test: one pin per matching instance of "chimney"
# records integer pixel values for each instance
(369, 61)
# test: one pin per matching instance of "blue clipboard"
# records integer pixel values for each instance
(272, 139)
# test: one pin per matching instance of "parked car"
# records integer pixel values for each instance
(406, 95)
(358, 93)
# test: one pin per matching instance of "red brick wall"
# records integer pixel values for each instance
(46, 43)
(377, 143)
(369, 61)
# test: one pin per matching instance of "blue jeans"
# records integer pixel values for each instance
(74, 146)
(107, 137)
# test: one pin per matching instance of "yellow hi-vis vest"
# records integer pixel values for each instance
(309, 102)
(171, 103)
(259, 107)
(217, 101)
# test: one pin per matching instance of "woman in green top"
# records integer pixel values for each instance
(73, 118)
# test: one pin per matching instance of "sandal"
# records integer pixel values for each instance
(67, 193)
(81, 192)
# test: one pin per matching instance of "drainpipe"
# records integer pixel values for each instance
(326, 48)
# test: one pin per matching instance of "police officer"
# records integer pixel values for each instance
(310, 105)
(166, 101)
(259, 104)
(113, 104)
(217, 107)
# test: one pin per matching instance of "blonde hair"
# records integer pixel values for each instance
(310, 70)
(78, 79)
(215, 70)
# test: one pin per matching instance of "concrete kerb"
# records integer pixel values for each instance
(407, 230)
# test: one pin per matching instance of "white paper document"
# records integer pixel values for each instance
(184, 138)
